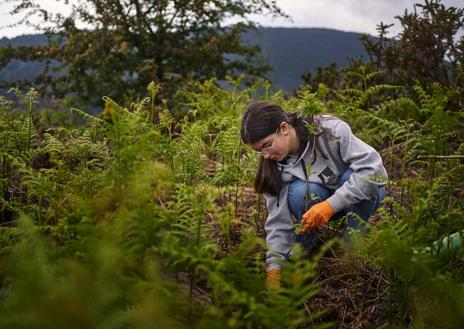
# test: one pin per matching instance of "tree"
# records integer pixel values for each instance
(426, 51)
(329, 75)
(117, 47)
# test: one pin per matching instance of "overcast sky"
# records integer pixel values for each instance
(345, 15)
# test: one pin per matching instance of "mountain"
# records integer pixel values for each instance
(25, 40)
(15, 69)
(293, 51)
(290, 51)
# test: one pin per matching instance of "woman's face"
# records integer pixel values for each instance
(275, 146)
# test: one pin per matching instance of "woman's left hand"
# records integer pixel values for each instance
(317, 215)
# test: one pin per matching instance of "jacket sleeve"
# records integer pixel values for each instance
(368, 170)
(279, 230)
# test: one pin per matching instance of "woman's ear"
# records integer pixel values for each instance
(285, 128)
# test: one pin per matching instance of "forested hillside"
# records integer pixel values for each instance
(289, 52)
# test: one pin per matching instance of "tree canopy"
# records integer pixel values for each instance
(117, 47)
(428, 51)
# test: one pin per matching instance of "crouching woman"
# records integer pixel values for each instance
(308, 176)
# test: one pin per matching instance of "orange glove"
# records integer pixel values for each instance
(317, 215)
(273, 278)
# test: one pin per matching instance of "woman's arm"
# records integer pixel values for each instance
(279, 229)
(368, 170)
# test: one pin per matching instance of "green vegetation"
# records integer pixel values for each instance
(114, 223)
(121, 222)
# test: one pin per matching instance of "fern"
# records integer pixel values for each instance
(85, 116)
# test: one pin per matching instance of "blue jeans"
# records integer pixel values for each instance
(299, 202)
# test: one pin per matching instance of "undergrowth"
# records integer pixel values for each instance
(115, 223)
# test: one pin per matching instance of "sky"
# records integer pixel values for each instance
(346, 15)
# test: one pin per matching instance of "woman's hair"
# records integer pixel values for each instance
(261, 119)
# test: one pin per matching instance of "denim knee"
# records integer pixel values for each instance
(361, 210)
(345, 176)
(302, 195)
(364, 209)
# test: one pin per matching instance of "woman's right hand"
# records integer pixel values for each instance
(317, 215)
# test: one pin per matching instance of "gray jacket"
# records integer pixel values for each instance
(342, 150)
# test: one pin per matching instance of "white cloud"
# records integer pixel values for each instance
(346, 15)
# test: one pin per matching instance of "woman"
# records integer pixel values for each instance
(310, 176)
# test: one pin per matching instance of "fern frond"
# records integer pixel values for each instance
(85, 116)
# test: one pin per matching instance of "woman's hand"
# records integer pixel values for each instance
(273, 278)
(317, 215)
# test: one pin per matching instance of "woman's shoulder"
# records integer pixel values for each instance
(329, 122)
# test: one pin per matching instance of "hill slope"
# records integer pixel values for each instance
(292, 51)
